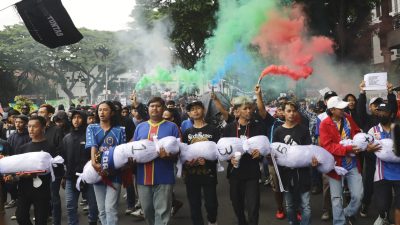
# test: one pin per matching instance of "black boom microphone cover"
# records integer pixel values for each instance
(48, 22)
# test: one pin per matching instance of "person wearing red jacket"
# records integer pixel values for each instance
(339, 126)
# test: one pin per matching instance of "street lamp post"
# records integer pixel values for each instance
(103, 52)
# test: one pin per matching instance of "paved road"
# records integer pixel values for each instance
(225, 214)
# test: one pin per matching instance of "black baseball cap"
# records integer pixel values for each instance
(329, 94)
(384, 107)
(194, 103)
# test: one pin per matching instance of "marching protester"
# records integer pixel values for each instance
(34, 189)
(387, 174)
(5, 150)
(200, 175)
(336, 127)
(244, 174)
(76, 156)
(155, 179)
(100, 137)
(19, 138)
(54, 136)
(296, 182)
(368, 121)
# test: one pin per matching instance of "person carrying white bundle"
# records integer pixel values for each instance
(335, 128)
(100, 138)
(387, 174)
(243, 170)
(200, 165)
(227, 146)
(33, 189)
(155, 179)
(296, 182)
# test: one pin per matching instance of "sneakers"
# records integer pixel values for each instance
(138, 213)
(83, 202)
(381, 221)
(176, 205)
(13, 217)
(11, 204)
(364, 211)
(325, 216)
(85, 208)
(129, 210)
(212, 223)
(280, 215)
(137, 205)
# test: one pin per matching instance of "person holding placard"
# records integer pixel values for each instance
(368, 121)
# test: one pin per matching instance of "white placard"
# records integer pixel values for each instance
(123, 101)
(324, 90)
(375, 81)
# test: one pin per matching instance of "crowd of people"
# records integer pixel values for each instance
(84, 134)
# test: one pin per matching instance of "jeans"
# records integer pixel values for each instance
(130, 196)
(245, 194)
(354, 182)
(194, 195)
(107, 202)
(71, 199)
(156, 203)
(56, 201)
(296, 201)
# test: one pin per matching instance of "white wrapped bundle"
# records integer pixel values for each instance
(142, 151)
(299, 156)
(203, 149)
(29, 162)
(88, 175)
(386, 154)
(325, 159)
(226, 148)
(120, 156)
(170, 144)
(361, 140)
(259, 142)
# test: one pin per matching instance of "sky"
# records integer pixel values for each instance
(109, 15)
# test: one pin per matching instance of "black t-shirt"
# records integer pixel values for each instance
(248, 168)
(294, 179)
(201, 174)
(35, 147)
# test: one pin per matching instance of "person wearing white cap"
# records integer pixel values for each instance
(336, 127)
(368, 121)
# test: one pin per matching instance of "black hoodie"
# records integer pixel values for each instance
(75, 154)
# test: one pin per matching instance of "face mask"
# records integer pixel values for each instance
(384, 119)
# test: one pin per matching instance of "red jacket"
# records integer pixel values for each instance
(330, 138)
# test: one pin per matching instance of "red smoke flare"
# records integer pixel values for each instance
(285, 38)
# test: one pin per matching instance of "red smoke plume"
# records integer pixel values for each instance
(285, 38)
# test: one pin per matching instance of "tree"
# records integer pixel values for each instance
(347, 22)
(193, 22)
(64, 65)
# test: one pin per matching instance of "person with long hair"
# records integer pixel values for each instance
(100, 137)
